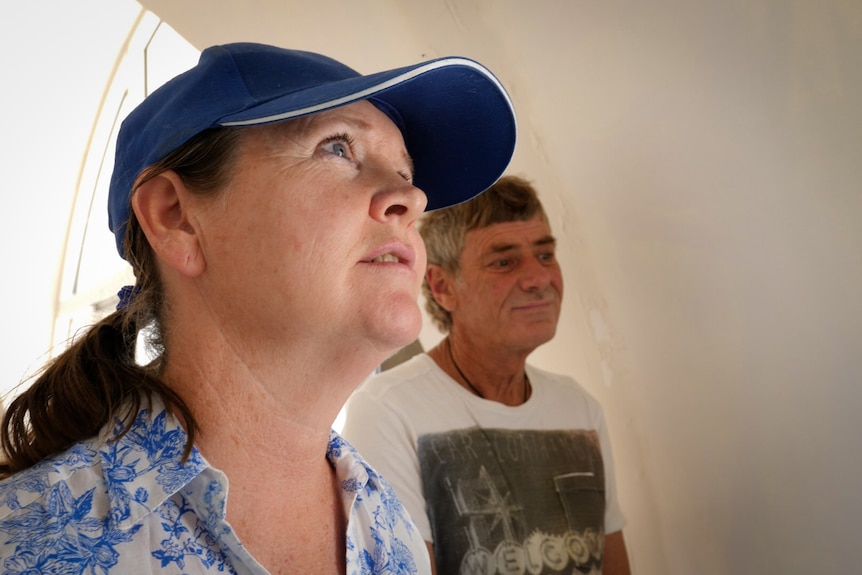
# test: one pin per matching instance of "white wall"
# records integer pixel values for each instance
(701, 162)
(56, 58)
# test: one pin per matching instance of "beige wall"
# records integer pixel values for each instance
(702, 164)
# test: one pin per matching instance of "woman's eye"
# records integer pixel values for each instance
(339, 149)
(339, 145)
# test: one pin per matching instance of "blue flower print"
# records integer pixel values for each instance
(61, 536)
(129, 504)
(396, 559)
(401, 560)
(16, 485)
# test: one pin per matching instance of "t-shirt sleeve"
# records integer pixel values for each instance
(614, 519)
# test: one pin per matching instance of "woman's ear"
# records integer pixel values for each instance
(162, 206)
(441, 284)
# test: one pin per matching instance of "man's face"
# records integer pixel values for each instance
(509, 289)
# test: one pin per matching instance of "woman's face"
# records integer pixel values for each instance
(314, 236)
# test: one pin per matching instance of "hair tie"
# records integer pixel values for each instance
(126, 295)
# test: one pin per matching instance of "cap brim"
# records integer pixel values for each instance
(458, 123)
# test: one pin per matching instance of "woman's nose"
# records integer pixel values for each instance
(398, 198)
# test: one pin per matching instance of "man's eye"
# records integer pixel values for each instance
(502, 263)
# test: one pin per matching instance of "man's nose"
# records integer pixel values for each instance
(535, 274)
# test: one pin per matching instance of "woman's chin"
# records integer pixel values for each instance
(399, 330)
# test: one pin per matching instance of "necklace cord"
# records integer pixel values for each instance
(469, 383)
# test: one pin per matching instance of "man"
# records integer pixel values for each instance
(506, 468)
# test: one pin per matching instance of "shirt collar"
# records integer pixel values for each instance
(144, 467)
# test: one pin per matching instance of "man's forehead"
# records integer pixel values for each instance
(505, 236)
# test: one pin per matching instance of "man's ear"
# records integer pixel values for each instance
(441, 284)
(162, 206)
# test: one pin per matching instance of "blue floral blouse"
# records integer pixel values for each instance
(131, 506)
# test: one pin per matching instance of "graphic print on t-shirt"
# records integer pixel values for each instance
(514, 501)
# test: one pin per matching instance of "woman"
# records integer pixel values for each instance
(266, 200)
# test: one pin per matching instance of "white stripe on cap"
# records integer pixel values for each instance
(374, 89)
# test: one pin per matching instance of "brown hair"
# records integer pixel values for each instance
(98, 378)
(511, 199)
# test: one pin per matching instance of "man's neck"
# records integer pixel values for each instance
(500, 379)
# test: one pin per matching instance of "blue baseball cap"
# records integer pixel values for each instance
(456, 118)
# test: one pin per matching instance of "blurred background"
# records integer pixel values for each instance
(701, 163)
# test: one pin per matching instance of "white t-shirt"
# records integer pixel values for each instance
(530, 486)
